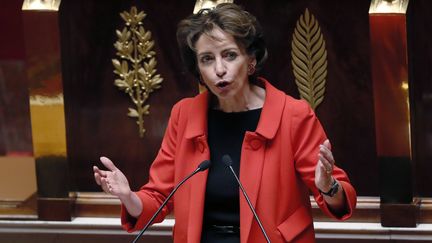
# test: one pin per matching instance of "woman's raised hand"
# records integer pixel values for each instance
(112, 181)
(324, 168)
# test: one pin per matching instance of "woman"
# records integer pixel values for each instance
(277, 145)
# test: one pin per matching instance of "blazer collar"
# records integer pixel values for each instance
(271, 113)
(197, 122)
(269, 120)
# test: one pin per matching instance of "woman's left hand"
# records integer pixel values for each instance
(324, 168)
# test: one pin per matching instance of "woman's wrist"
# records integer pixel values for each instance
(337, 202)
(326, 185)
(331, 189)
(132, 203)
(126, 197)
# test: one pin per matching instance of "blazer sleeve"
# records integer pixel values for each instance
(308, 134)
(161, 180)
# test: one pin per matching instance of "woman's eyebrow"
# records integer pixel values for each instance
(231, 49)
(204, 53)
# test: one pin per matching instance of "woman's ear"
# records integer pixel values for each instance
(254, 61)
(251, 66)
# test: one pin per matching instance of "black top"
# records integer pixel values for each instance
(225, 136)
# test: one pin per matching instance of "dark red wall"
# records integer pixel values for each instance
(15, 131)
(12, 41)
(96, 110)
(420, 77)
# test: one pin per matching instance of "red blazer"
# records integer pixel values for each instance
(277, 169)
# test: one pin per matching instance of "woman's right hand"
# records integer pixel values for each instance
(112, 181)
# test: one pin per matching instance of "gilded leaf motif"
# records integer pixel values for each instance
(309, 59)
(133, 113)
(136, 66)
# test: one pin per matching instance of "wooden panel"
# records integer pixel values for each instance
(17, 210)
(420, 59)
(426, 211)
(11, 48)
(15, 131)
(95, 109)
(90, 204)
(390, 83)
(347, 112)
(42, 45)
(391, 101)
(368, 208)
(109, 230)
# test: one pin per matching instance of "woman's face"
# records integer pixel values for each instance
(223, 65)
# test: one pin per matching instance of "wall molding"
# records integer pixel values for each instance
(101, 227)
(98, 204)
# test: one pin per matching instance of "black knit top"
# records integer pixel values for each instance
(225, 136)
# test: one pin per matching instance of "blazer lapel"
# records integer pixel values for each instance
(196, 133)
(251, 166)
(197, 117)
(197, 193)
(253, 154)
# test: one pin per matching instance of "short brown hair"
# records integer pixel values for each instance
(229, 17)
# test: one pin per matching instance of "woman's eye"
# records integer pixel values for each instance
(205, 59)
(231, 55)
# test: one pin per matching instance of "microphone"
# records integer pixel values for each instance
(226, 159)
(202, 167)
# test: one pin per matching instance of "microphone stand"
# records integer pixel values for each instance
(203, 166)
(227, 160)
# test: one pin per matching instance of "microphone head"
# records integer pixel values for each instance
(204, 165)
(226, 159)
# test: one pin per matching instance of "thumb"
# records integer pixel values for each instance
(327, 144)
(108, 163)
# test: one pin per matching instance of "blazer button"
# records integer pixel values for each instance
(255, 144)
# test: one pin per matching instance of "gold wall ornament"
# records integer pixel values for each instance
(136, 64)
(200, 4)
(309, 59)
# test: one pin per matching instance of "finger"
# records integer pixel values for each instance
(328, 165)
(324, 169)
(321, 166)
(327, 144)
(325, 161)
(102, 173)
(108, 163)
(97, 178)
(326, 153)
(325, 149)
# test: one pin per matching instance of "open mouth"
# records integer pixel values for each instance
(222, 84)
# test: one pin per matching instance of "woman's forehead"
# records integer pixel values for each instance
(216, 38)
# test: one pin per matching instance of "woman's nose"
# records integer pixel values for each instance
(220, 68)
